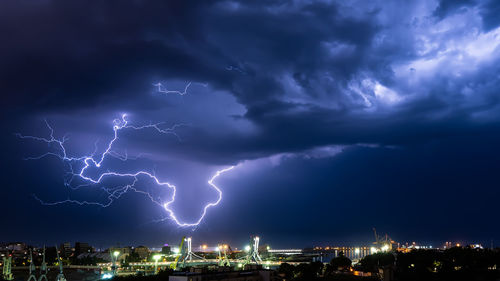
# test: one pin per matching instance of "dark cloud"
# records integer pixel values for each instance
(445, 7)
(490, 12)
(272, 80)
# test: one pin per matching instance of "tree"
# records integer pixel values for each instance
(308, 271)
(286, 270)
(341, 262)
(371, 263)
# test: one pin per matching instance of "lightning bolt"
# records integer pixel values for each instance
(160, 88)
(93, 161)
(163, 90)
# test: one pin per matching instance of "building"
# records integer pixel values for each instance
(82, 248)
(16, 247)
(142, 251)
(65, 250)
(121, 250)
(166, 250)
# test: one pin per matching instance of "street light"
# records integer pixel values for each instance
(156, 258)
(247, 248)
(115, 255)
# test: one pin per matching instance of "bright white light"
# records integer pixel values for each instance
(175, 250)
(385, 248)
(116, 253)
(156, 257)
(106, 276)
(247, 248)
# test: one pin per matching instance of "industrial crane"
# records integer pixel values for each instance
(181, 253)
(223, 260)
(383, 243)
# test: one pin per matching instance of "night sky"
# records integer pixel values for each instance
(339, 116)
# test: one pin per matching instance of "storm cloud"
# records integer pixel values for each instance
(291, 82)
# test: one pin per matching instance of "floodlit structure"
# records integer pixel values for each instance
(43, 268)
(189, 254)
(253, 251)
(383, 243)
(32, 268)
(7, 268)
(60, 276)
(185, 253)
(222, 251)
(179, 254)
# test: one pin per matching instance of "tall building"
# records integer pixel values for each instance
(65, 250)
(165, 250)
(142, 251)
(82, 248)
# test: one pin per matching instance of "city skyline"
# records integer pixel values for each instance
(306, 123)
(207, 246)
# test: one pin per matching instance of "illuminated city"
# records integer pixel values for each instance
(231, 140)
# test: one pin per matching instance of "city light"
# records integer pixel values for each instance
(106, 276)
(156, 257)
(247, 248)
(116, 253)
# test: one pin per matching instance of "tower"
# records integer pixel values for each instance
(32, 268)
(189, 253)
(7, 268)
(253, 251)
(60, 276)
(43, 268)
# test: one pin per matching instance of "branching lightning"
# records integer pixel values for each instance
(163, 90)
(160, 88)
(93, 161)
